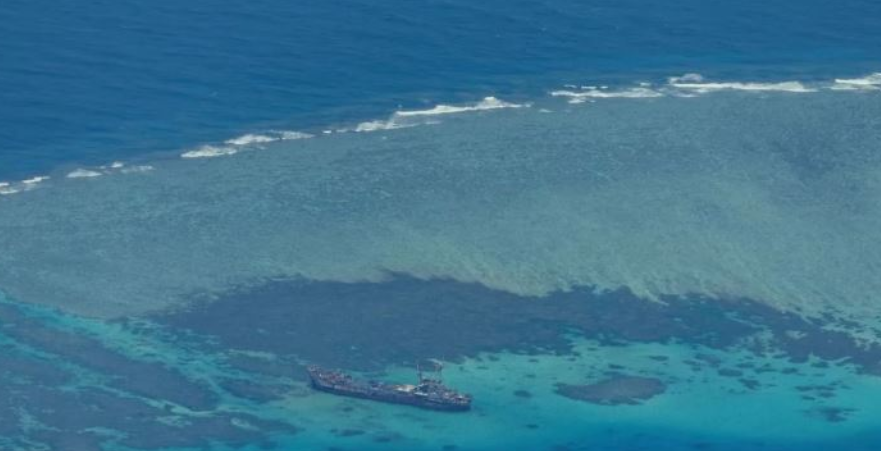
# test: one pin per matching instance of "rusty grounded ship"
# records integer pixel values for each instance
(428, 393)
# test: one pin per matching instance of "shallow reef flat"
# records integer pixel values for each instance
(613, 271)
(731, 194)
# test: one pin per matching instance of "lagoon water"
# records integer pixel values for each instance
(622, 227)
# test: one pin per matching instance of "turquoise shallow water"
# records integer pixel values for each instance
(515, 403)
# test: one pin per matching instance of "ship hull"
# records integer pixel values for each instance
(387, 394)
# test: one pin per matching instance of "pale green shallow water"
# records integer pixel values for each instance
(666, 195)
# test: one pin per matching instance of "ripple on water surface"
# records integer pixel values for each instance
(643, 249)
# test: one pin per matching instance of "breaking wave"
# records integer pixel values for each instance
(869, 83)
(697, 83)
(207, 151)
(83, 173)
(412, 118)
(117, 167)
(687, 85)
(7, 188)
(248, 141)
(378, 125)
(692, 84)
(488, 103)
(592, 92)
(252, 138)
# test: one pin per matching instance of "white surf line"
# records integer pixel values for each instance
(870, 82)
(696, 82)
(247, 141)
(412, 118)
(117, 167)
(592, 92)
(208, 151)
(7, 188)
(136, 169)
(692, 84)
(488, 103)
(83, 173)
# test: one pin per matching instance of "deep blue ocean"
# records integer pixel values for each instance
(622, 225)
(92, 81)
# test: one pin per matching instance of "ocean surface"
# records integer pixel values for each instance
(620, 225)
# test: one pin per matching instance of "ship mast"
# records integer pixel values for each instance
(437, 371)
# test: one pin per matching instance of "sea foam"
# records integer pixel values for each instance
(693, 85)
(250, 138)
(36, 180)
(117, 167)
(868, 83)
(591, 92)
(83, 173)
(412, 118)
(696, 82)
(7, 188)
(208, 151)
(372, 126)
(136, 169)
(245, 142)
(488, 103)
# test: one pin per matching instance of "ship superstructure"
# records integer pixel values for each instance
(428, 393)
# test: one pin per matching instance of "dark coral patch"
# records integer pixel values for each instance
(254, 391)
(38, 386)
(349, 325)
(750, 384)
(522, 394)
(347, 432)
(71, 415)
(149, 379)
(729, 372)
(614, 391)
(832, 414)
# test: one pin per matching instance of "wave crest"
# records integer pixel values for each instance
(245, 142)
(697, 83)
(208, 151)
(412, 118)
(488, 103)
(7, 188)
(592, 92)
(868, 83)
(83, 173)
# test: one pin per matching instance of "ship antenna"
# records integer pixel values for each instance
(437, 369)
